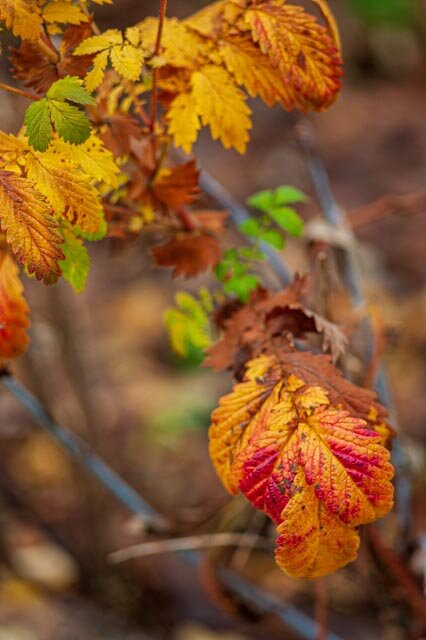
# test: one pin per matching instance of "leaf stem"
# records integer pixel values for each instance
(19, 92)
(154, 92)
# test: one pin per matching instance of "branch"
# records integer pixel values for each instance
(228, 539)
(154, 92)
(19, 92)
(79, 450)
(301, 624)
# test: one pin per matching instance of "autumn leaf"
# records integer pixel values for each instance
(117, 133)
(215, 101)
(303, 51)
(92, 156)
(13, 309)
(281, 440)
(69, 191)
(75, 267)
(36, 70)
(177, 186)
(188, 254)
(30, 229)
(63, 12)
(124, 54)
(22, 17)
(180, 46)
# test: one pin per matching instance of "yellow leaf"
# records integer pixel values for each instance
(127, 61)
(252, 69)
(92, 156)
(221, 106)
(31, 231)
(94, 44)
(180, 47)
(215, 18)
(69, 191)
(184, 122)
(22, 17)
(61, 11)
(302, 50)
(95, 76)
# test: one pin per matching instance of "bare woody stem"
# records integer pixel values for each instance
(19, 92)
(154, 92)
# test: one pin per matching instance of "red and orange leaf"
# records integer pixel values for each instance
(177, 186)
(281, 441)
(188, 254)
(31, 231)
(13, 309)
(305, 53)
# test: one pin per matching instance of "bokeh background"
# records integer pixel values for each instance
(102, 364)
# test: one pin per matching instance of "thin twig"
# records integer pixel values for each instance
(19, 92)
(300, 623)
(188, 543)
(154, 92)
(397, 569)
(79, 449)
(321, 613)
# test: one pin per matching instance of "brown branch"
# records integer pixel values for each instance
(154, 92)
(19, 92)
(407, 204)
(393, 564)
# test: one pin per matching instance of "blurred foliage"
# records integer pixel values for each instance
(379, 12)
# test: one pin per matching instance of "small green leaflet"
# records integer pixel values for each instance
(70, 122)
(188, 324)
(75, 267)
(234, 271)
(271, 198)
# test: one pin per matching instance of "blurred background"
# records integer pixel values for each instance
(101, 363)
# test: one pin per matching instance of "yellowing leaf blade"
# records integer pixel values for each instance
(183, 121)
(30, 229)
(22, 17)
(221, 106)
(69, 191)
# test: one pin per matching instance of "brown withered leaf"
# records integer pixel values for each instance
(35, 69)
(117, 132)
(250, 330)
(177, 186)
(211, 220)
(188, 254)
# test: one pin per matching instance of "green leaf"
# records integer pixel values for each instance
(95, 235)
(221, 270)
(241, 286)
(188, 325)
(70, 123)
(37, 122)
(274, 238)
(289, 220)
(75, 267)
(70, 88)
(288, 195)
(262, 200)
(251, 227)
(401, 13)
(252, 253)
